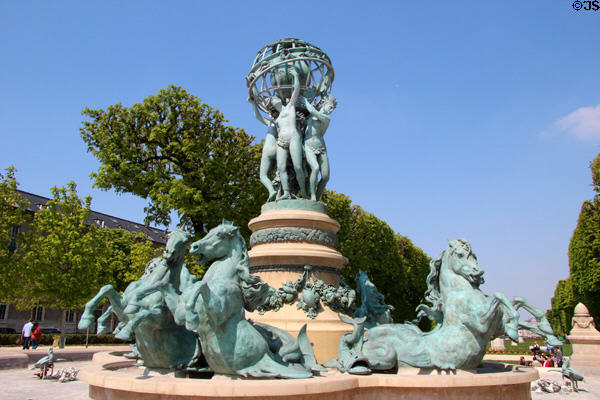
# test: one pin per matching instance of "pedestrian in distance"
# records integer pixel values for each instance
(26, 333)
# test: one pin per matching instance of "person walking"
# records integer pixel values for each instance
(26, 333)
(36, 335)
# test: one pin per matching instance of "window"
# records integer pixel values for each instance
(3, 311)
(37, 314)
(12, 245)
(70, 317)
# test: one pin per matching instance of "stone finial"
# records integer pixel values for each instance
(583, 323)
(581, 310)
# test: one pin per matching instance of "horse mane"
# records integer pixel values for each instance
(254, 291)
(432, 294)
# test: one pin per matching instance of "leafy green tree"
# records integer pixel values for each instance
(584, 256)
(583, 284)
(393, 263)
(65, 260)
(563, 303)
(178, 153)
(13, 216)
(129, 254)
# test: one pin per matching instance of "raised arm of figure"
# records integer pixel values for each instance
(314, 112)
(296, 91)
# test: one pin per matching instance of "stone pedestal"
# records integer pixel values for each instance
(585, 340)
(288, 235)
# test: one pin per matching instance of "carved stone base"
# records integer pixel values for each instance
(288, 235)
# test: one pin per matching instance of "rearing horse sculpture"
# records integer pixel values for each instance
(143, 309)
(215, 310)
(466, 321)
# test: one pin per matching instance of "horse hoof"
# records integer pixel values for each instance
(124, 334)
(359, 370)
(85, 322)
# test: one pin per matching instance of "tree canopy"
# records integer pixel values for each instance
(13, 215)
(64, 259)
(180, 155)
(583, 284)
(394, 264)
(563, 304)
(57, 260)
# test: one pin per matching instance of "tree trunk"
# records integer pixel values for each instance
(63, 328)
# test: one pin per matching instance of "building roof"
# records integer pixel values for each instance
(156, 235)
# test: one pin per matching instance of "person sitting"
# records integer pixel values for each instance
(522, 361)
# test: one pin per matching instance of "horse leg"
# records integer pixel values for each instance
(543, 327)
(192, 320)
(216, 304)
(101, 321)
(87, 318)
(510, 317)
(127, 331)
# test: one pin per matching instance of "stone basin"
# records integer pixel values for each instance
(113, 377)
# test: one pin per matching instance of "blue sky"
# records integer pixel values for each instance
(455, 119)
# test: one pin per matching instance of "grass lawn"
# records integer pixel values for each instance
(523, 348)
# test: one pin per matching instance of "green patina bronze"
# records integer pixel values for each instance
(182, 322)
(310, 294)
(466, 320)
(295, 204)
(143, 309)
(289, 87)
(308, 235)
(372, 303)
(214, 308)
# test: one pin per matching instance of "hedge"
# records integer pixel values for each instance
(10, 339)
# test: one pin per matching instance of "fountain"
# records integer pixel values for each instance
(281, 309)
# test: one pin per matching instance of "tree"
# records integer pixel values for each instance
(393, 263)
(584, 256)
(178, 153)
(13, 215)
(129, 254)
(64, 260)
(583, 284)
(563, 304)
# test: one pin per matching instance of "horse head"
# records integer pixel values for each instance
(218, 243)
(460, 259)
(175, 248)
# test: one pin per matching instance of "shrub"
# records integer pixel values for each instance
(10, 339)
